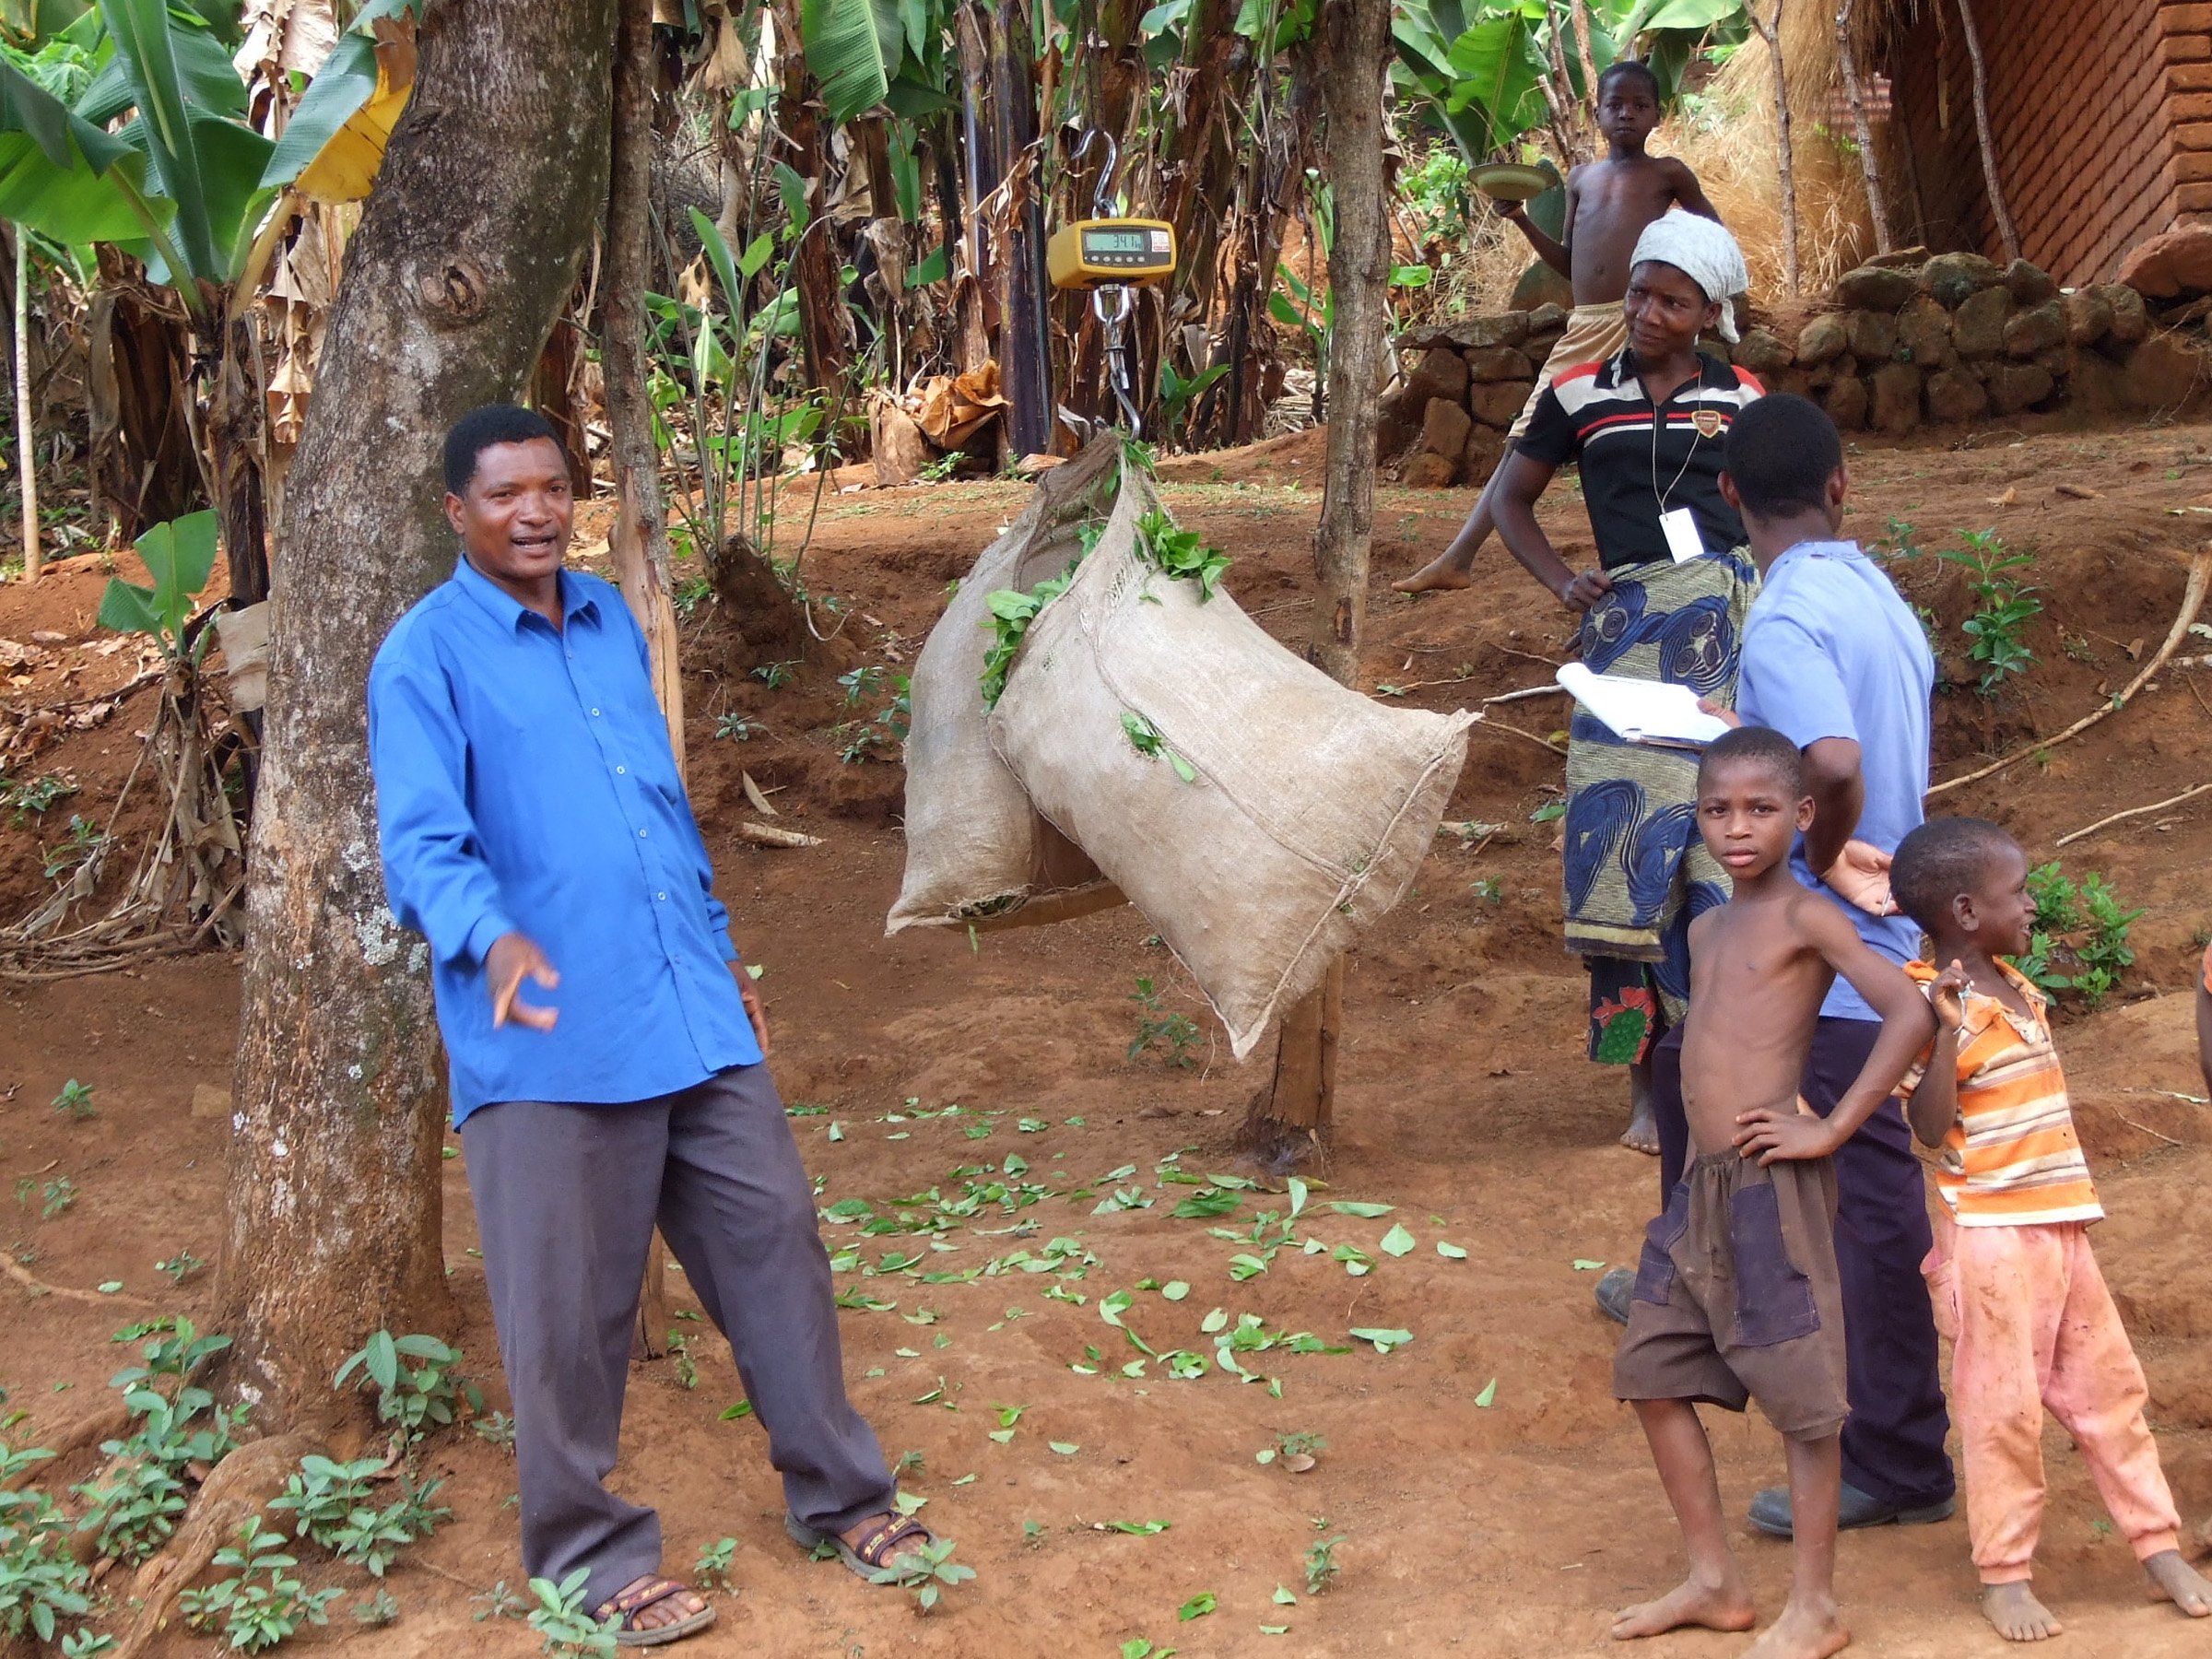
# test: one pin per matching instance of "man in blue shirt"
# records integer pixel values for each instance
(534, 829)
(1836, 661)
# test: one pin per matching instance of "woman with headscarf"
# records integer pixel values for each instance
(1666, 601)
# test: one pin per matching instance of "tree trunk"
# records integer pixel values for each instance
(823, 340)
(237, 411)
(1025, 351)
(1769, 31)
(2007, 235)
(973, 293)
(487, 195)
(638, 541)
(1877, 209)
(1239, 411)
(26, 451)
(1294, 1117)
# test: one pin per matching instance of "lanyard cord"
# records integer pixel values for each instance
(1658, 418)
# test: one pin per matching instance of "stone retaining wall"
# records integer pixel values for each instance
(1952, 340)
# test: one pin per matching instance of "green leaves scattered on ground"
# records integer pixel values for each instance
(1384, 1340)
(1397, 1241)
(1198, 1606)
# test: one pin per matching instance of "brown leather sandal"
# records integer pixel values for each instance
(878, 1547)
(623, 1610)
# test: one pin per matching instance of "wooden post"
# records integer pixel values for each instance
(1291, 1118)
(1863, 130)
(638, 541)
(2005, 234)
(1769, 31)
(27, 464)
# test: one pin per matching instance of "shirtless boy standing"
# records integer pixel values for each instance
(1608, 205)
(1736, 1295)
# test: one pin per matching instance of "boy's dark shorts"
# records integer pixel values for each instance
(1737, 1297)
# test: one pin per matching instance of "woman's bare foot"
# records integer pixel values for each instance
(2179, 1583)
(1643, 1132)
(2015, 1614)
(1722, 1607)
(1801, 1632)
(1439, 575)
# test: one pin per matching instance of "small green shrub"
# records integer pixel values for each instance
(2005, 604)
(40, 1582)
(1157, 1028)
(414, 1397)
(263, 1603)
(2078, 942)
(561, 1616)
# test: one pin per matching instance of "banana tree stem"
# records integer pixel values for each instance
(26, 451)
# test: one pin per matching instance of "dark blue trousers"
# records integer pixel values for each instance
(1893, 1439)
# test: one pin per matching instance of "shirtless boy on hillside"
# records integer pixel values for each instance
(1608, 205)
(1736, 1295)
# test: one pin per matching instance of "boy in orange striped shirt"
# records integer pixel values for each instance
(2031, 1323)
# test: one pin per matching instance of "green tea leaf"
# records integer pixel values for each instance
(1384, 1340)
(1065, 1448)
(1451, 1252)
(1397, 1241)
(1175, 1289)
(1198, 1606)
(1366, 1212)
(1488, 1395)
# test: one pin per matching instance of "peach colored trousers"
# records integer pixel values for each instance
(2032, 1326)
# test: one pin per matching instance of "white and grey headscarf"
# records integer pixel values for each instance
(1701, 250)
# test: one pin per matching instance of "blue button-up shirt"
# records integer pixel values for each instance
(1831, 650)
(525, 783)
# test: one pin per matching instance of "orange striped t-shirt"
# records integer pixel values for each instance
(2010, 1156)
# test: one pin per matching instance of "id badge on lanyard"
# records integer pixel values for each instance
(1683, 539)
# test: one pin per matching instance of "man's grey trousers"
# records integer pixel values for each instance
(567, 1197)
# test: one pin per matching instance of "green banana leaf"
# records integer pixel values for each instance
(346, 82)
(59, 175)
(228, 159)
(141, 30)
(845, 51)
(205, 71)
(179, 556)
(1498, 69)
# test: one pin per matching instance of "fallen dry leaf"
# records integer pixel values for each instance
(2009, 499)
(2080, 492)
(752, 793)
(46, 636)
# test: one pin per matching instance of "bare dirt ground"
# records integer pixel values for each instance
(1491, 1498)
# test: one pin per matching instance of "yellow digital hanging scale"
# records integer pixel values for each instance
(1092, 253)
(1109, 257)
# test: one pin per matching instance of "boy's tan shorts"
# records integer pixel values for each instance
(1593, 333)
(1737, 1297)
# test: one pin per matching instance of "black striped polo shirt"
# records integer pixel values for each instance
(1597, 414)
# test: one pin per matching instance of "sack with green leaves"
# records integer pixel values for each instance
(1261, 816)
(977, 853)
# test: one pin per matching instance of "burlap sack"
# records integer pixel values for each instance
(977, 853)
(1313, 805)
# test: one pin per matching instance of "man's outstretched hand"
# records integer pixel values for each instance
(1859, 877)
(755, 1010)
(513, 956)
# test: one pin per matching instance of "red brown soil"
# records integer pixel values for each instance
(1507, 1530)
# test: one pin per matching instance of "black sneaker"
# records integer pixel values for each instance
(1770, 1511)
(1614, 1293)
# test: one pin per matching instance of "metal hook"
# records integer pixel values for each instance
(1111, 316)
(1102, 196)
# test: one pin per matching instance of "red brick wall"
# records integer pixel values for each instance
(2100, 112)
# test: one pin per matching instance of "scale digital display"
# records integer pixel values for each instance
(1095, 252)
(1117, 241)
